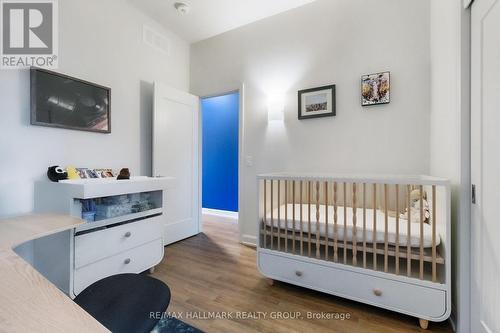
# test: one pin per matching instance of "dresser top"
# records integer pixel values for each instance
(101, 187)
(95, 181)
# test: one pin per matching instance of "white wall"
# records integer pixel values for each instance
(450, 137)
(322, 43)
(100, 41)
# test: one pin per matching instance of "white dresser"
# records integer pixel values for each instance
(125, 236)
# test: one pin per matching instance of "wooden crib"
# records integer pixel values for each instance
(380, 240)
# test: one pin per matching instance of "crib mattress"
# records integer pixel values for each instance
(348, 232)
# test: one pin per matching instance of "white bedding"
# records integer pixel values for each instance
(380, 238)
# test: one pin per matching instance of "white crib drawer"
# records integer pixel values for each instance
(97, 245)
(419, 301)
(135, 260)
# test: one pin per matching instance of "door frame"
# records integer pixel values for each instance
(476, 94)
(241, 137)
(461, 185)
(461, 314)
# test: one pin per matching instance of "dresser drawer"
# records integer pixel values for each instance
(394, 295)
(93, 246)
(135, 260)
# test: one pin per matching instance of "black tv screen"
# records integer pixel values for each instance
(59, 100)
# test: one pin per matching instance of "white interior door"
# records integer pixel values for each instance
(176, 154)
(485, 166)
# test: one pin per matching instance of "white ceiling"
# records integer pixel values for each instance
(208, 18)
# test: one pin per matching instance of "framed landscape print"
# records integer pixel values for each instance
(376, 89)
(317, 102)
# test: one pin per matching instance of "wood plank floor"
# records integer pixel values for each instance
(212, 275)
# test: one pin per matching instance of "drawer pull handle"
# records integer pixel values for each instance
(128, 234)
(377, 292)
(126, 261)
(298, 273)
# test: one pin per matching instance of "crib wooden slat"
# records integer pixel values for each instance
(272, 215)
(317, 220)
(309, 218)
(415, 255)
(397, 229)
(364, 225)
(408, 231)
(386, 226)
(326, 219)
(293, 216)
(434, 273)
(335, 227)
(374, 227)
(279, 214)
(421, 275)
(345, 223)
(323, 245)
(354, 227)
(286, 215)
(265, 215)
(301, 222)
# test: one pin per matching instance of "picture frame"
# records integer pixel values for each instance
(376, 89)
(317, 102)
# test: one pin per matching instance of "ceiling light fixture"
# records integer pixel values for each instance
(182, 8)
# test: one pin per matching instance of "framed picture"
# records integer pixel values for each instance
(317, 102)
(376, 89)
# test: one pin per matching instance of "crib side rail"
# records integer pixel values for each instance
(395, 225)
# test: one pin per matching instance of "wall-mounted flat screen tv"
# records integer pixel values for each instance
(59, 100)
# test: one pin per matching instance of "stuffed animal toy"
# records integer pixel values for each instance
(415, 207)
(56, 173)
(72, 174)
(124, 174)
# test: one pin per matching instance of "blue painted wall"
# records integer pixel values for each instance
(220, 122)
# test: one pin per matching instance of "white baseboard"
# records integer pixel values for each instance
(215, 215)
(249, 240)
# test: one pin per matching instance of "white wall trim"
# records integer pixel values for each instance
(216, 215)
(218, 212)
(462, 316)
(248, 240)
(241, 156)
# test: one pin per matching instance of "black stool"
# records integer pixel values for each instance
(126, 302)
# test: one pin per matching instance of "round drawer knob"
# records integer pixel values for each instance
(128, 234)
(298, 273)
(126, 261)
(377, 292)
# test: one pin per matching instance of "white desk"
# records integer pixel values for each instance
(28, 301)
